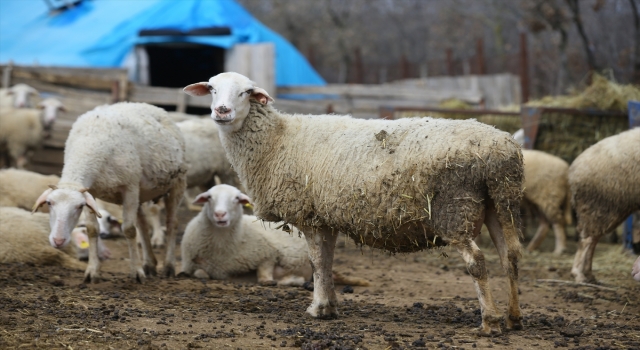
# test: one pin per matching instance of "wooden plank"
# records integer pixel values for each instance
(45, 169)
(165, 96)
(384, 91)
(94, 78)
(47, 155)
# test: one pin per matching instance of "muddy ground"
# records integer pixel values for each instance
(422, 300)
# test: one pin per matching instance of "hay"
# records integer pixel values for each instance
(568, 135)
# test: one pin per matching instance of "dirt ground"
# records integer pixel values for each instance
(422, 300)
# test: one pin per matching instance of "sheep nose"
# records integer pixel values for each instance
(219, 214)
(58, 242)
(223, 110)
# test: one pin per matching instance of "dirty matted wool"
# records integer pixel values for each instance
(400, 185)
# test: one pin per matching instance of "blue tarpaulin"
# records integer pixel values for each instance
(100, 33)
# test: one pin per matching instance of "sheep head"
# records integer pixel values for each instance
(231, 94)
(21, 94)
(65, 207)
(50, 108)
(223, 204)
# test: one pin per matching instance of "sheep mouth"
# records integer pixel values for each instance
(222, 121)
(222, 223)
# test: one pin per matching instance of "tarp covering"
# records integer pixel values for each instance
(100, 33)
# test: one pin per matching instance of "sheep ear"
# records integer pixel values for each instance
(40, 105)
(33, 91)
(91, 202)
(261, 95)
(244, 199)
(62, 108)
(197, 89)
(202, 198)
(41, 200)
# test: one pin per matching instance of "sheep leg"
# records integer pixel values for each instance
(157, 239)
(130, 206)
(92, 273)
(150, 262)
(541, 233)
(265, 273)
(561, 239)
(321, 247)
(474, 259)
(172, 202)
(583, 260)
(21, 162)
(508, 252)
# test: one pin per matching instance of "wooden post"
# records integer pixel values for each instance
(6, 76)
(480, 56)
(358, 69)
(181, 105)
(450, 61)
(115, 91)
(404, 67)
(524, 67)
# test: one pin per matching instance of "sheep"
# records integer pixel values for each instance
(519, 136)
(221, 242)
(24, 240)
(604, 191)
(546, 187)
(23, 129)
(206, 160)
(17, 96)
(125, 153)
(399, 185)
(20, 188)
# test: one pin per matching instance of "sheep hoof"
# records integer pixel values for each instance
(91, 276)
(558, 252)
(149, 270)
(326, 311)
(490, 326)
(201, 274)
(183, 274)
(268, 283)
(138, 275)
(168, 271)
(514, 322)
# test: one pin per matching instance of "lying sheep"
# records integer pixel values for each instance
(17, 96)
(221, 242)
(20, 188)
(24, 240)
(546, 187)
(399, 185)
(604, 190)
(23, 129)
(205, 159)
(125, 153)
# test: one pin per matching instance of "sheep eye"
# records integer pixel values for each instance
(48, 202)
(211, 89)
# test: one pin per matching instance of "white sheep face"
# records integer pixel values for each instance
(21, 94)
(50, 107)
(231, 93)
(65, 207)
(223, 205)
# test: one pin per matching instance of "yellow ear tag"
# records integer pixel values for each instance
(248, 206)
(84, 244)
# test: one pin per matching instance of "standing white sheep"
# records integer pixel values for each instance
(221, 242)
(126, 153)
(547, 188)
(399, 185)
(17, 96)
(23, 129)
(605, 190)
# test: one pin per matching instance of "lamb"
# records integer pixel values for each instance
(17, 96)
(221, 242)
(399, 185)
(604, 191)
(546, 187)
(23, 129)
(206, 160)
(125, 153)
(24, 240)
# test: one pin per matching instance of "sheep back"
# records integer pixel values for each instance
(394, 185)
(204, 153)
(125, 144)
(604, 182)
(20, 129)
(21, 188)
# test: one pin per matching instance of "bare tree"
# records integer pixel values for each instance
(575, 10)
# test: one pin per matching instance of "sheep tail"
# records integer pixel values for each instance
(339, 278)
(567, 208)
